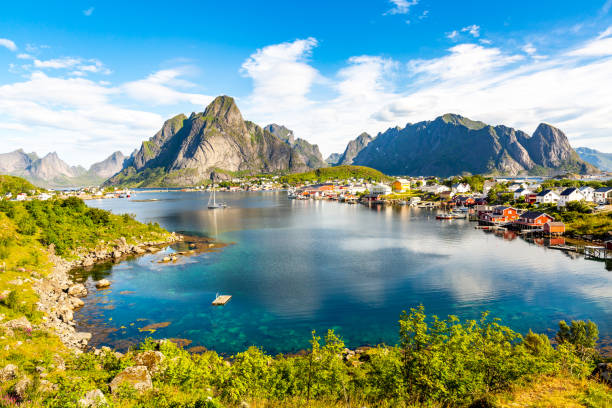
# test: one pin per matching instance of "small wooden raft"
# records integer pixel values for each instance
(221, 300)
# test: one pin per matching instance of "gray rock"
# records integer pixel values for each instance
(93, 399)
(137, 377)
(8, 373)
(77, 290)
(103, 283)
(150, 359)
(21, 323)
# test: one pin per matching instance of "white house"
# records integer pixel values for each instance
(568, 195)
(44, 196)
(603, 195)
(435, 188)
(382, 189)
(21, 197)
(521, 192)
(460, 188)
(547, 197)
(588, 193)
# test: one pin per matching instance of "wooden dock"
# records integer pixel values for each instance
(221, 300)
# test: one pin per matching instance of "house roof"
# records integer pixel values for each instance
(532, 215)
(544, 192)
(556, 224)
(569, 191)
(603, 189)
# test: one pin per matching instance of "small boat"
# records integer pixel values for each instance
(212, 202)
(450, 216)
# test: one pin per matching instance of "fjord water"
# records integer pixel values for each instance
(297, 266)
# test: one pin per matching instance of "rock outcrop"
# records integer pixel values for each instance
(307, 152)
(137, 377)
(353, 148)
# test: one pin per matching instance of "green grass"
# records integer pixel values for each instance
(16, 185)
(335, 173)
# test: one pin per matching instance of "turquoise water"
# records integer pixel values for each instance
(295, 266)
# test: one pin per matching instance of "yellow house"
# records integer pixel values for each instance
(401, 185)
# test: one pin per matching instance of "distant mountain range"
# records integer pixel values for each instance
(217, 143)
(51, 171)
(452, 144)
(601, 160)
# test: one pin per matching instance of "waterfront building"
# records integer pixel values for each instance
(569, 195)
(547, 197)
(603, 195)
(401, 185)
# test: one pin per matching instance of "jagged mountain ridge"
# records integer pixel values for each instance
(333, 159)
(51, 171)
(452, 144)
(353, 148)
(215, 143)
(601, 160)
(309, 153)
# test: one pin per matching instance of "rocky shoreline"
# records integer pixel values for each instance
(59, 296)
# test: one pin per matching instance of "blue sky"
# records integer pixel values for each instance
(85, 78)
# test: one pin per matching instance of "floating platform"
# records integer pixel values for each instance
(221, 300)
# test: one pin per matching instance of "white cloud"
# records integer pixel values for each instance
(281, 74)
(598, 47)
(6, 43)
(57, 63)
(88, 12)
(160, 88)
(473, 29)
(452, 35)
(401, 6)
(24, 56)
(606, 7)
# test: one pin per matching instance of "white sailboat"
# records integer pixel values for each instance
(212, 202)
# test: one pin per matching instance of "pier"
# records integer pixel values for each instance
(221, 300)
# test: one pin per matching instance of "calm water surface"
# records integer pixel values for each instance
(295, 266)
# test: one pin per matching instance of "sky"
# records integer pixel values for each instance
(86, 78)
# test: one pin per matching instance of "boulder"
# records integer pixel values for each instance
(65, 313)
(93, 399)
(137, 377)
(76, 303)
(21, 388)
(103, 283)
(20, 323)
(9, 372)
(603, 372)
(78, 290)
(117, 254)
(150, 359)
(87, 262)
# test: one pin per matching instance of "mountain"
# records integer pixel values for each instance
(216, 143)
(353, 148)
(110, 166)
(452, 144)
(51, 171)
(601, 160)
(309, 153)
(333, 159)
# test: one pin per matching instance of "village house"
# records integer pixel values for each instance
(531, 198)
(500, 214)
(547, 197)
(21, 197)
(569, 195)
(401, 185)
(465, 201)
(380, 189)
(460, 188)
(603, 195)
(554, 228)
(435, 188)
(533, 219)
(521, 192)
(588, 193)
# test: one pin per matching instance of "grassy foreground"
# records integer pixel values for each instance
(437, 362)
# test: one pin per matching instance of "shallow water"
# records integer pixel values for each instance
(295, 266)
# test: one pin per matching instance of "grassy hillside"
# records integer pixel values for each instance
(15, 185)
(335, 173)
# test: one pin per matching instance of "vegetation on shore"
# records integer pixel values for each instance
(16, 185)
(325, 174)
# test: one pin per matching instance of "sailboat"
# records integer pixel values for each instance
(212, 202)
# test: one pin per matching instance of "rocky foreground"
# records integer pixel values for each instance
(60, 296)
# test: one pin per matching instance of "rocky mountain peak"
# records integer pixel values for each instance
(224, 108)
(286, 135)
